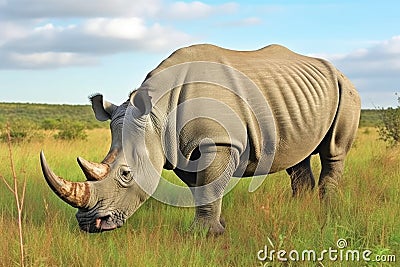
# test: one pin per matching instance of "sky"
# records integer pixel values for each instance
(63, 51)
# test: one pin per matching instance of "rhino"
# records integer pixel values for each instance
(209, 114)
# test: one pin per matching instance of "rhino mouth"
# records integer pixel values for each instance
(105, 223)
(99, 224)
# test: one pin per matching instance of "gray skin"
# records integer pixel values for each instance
(314, 109)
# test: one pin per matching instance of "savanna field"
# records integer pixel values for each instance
(364, 217)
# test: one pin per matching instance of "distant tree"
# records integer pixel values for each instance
(69, 130)
(389, 127)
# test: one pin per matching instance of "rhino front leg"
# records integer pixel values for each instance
(220, 164)
(190, 179)
(301, 176)
(207, 218)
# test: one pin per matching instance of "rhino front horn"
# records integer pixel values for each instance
(74, 193)
(92, 170)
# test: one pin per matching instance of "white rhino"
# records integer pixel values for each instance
(210, 114)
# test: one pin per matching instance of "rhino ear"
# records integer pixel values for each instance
(142, 101)
(102, 109)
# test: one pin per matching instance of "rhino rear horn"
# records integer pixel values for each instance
(92, 170)
(76, 194)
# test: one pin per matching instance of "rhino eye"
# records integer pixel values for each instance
(125, 175)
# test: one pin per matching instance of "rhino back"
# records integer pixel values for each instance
(302, 93)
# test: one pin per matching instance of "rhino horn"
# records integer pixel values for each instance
(92, 170)
(76, 194)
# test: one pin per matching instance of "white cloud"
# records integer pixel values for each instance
(375, 71)
(183, 10)
(196, 10)
(48, 60)
(49, 27)
(37, 33)
(49, 45)
(11, 30)
(379, 60)
(120, 28)
(28, 9)
(393, 45)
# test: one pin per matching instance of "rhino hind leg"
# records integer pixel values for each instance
(339, 139)
(301, 176)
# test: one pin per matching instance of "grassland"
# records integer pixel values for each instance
(40, 114)
(366, 215)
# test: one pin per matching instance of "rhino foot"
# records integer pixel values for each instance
(328, 188)
(208, 226)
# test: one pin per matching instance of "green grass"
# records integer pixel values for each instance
(366, 214)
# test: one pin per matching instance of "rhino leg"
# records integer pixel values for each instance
(339, 139)
(210, 186)
(189, 178)
(301, 176)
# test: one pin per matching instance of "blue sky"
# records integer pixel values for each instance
(62, 51)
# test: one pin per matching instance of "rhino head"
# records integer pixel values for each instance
(110, 194)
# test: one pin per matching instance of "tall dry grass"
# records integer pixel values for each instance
(15, 190)
(366, 215)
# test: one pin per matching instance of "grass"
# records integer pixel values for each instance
(366, 215)
(14, 189)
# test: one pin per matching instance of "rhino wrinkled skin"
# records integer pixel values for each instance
(279, 109)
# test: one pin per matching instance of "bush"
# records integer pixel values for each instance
(69, 130)
(20, 131)
(389, 128)
(16, 135)
(49, 124)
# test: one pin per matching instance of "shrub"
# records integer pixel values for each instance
(19, 130)
(69, 130)
(16, 136)
(389, 128)
(50, 124)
